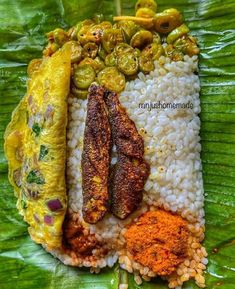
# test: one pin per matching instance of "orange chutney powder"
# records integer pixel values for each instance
(158, 240)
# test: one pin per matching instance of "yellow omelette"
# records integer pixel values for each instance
(35, 146)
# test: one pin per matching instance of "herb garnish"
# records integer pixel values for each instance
(36, 129)
(36, 177)
(43, 152)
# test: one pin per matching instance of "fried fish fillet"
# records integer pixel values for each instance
(131, 171)
(96, 157)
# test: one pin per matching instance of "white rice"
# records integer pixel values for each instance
(171, 136)
(172, 149)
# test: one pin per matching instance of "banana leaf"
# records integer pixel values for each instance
(23, 24)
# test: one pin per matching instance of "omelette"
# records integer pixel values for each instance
(35, 146)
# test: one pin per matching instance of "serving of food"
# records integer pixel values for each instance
(104, 151)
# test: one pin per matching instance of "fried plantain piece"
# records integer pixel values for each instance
(131, 171)
(96, 157)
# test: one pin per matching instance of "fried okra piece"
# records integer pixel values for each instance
(167, 20)
(111, 78)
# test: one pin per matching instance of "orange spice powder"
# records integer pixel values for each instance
(158, 240)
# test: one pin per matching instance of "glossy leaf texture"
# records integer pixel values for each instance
(23, 25)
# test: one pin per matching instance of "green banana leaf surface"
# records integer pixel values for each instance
(23, 24)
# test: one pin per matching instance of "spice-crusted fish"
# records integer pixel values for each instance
(96, 157)
(131, 171)
(35, 146)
